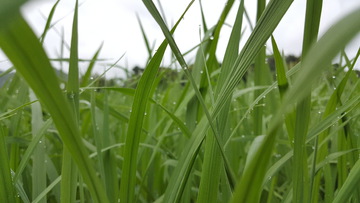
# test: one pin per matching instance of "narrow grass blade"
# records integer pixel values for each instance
(7, 193)
(350, 185)
(39, 166)
(300, 174)
(323, 52)
(21, 46)
(283, 86)
(87, 75)
(152, 9)
(142, 93)
(260, 73)
(43, 194)
(209, 184)
(69, 171)
(146, 40)
(48, 22)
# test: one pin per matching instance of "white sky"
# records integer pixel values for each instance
(114, 23)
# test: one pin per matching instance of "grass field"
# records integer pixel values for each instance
(219, 130)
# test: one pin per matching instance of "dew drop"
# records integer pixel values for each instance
(201, 72)
(211, 37)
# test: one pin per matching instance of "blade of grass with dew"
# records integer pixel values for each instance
(321, 53)
(38, 159)
(314, 132)
(97, 137)
(259, 72)
(127, 187)
(14, 111)
(20, 89)
(7, 193)
(321, 152)
(345, 136)
(87, 75)
(211, 61)
(69, 173)
(268, 23)
(30, 149)
(21, 46)
(152, 9)
(209, 182)
(283, 85)
(303, 108)
(128, 181)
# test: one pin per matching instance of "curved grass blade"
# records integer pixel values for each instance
(321, 54)
(267, 24)
(87, 75)
(212, 166)
(21, 46)
(142, 93)
(350, 185)
(48, 22)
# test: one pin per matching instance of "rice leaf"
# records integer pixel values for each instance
(21, 46)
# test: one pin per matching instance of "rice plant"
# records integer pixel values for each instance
(230, 129)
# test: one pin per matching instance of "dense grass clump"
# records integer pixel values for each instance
(249, 127)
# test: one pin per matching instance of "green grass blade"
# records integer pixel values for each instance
(87, 75)
(48, 22)
(142, 93)
(43, 194)
(34, 142)
(69, 170)
(300, 174)
(146, 40)
(21, 46)
(209, 184)
(350, 184)
(323, 52)
(152, 9)
(266, 25)
(128, 181)
(7, 193)
(39, 168)
(260, 72)
(283, 86)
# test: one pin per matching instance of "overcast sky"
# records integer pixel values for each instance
(114, 23)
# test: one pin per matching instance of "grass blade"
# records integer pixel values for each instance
(142, 93)
(7, 193)
(21, 46)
